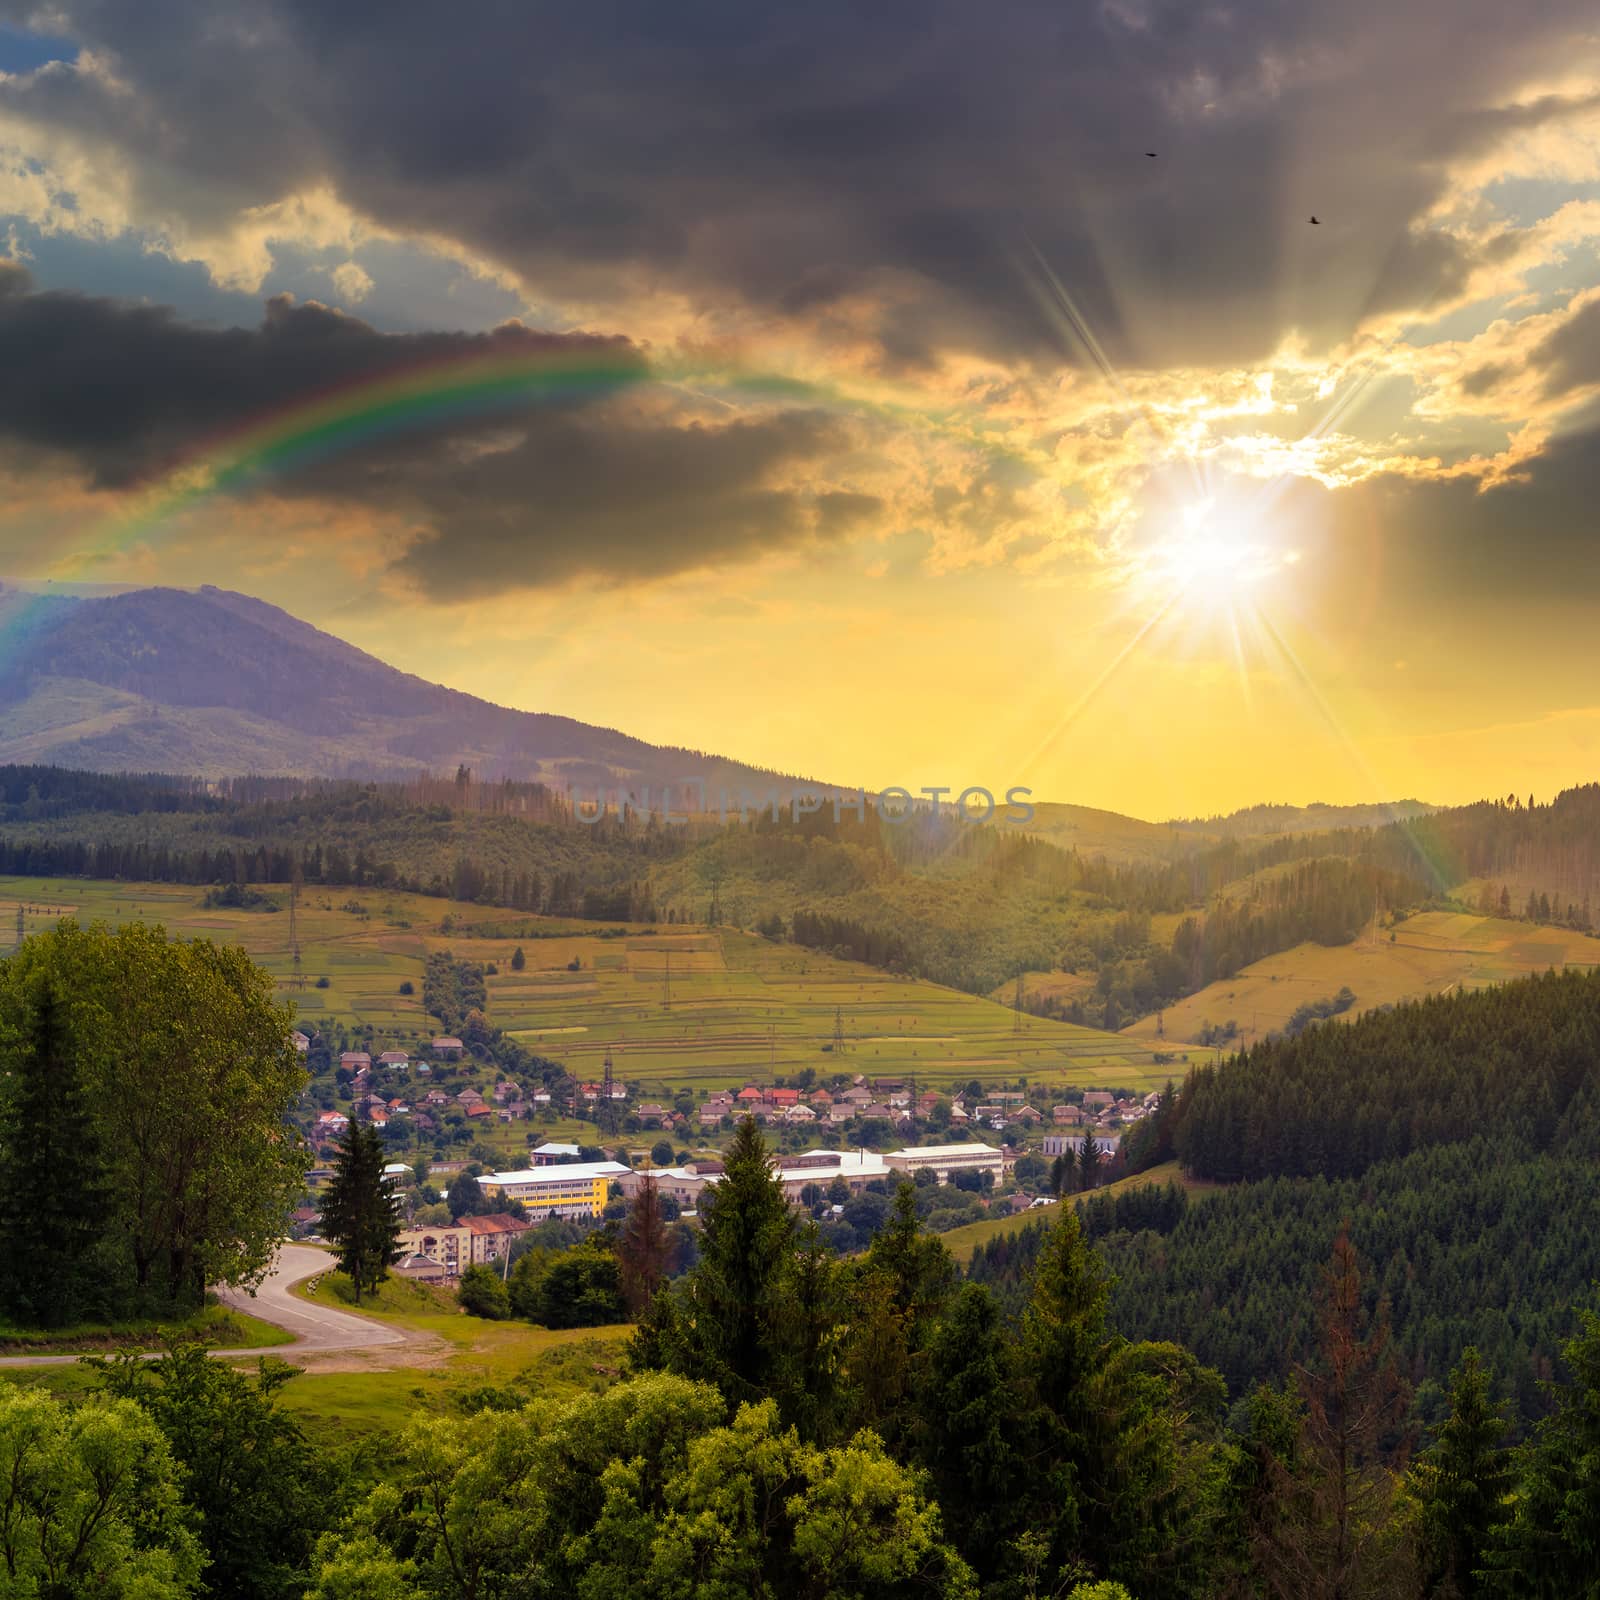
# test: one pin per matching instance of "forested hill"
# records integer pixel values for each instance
(965, 904)
(1521, 1060)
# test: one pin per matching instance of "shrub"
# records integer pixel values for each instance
(482, 1294)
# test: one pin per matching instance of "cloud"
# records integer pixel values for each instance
(753, 163)
(542, 493)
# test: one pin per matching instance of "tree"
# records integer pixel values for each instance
(580, 1288)
(1090, 1159)
(518, 959)
(1338, 1535)
(53, 1204)
(189, 1076)
(642, 1247)
(731, 1298)
(1460, 1484)
(262, 1492)
(465, 1197)
(969, 1428)
(89, 1502)
(483, 1294)
(661, 1153)
(359, 1211)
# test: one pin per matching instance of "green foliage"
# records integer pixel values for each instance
(483, 1294)
(261, 1493)
(360, 1211)
(645, 1489)
(1460, 1485)
(176, 1103)
(89, 1503)
(1521, 1056)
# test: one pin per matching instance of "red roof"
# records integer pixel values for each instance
(785, 1097)
(478, 1109)
(499, 1222)
(748, 1094)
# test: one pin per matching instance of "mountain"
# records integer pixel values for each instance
(214, 684)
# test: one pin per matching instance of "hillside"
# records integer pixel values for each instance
(215, 683)
(1428, 953)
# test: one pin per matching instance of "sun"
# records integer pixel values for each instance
(1206, 559)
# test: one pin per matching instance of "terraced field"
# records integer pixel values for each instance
(1434, 952)
(684, 1006)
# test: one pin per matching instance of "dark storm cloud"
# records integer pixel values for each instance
(620, 500)
(574, 485)
(908, 154)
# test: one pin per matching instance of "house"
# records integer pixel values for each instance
(304, 1220)
(437, 1097)
(1098, 1099)
(749, 1095)
(877, 1110)
(476, 1108)
(355, 1060)
(394, 1059)
(332, 1121)
(447, 1049)
(958, 1115)
(650, 1112)
(397, 1106)
(396, 1172)
(784, 1097)
(492, 1236)
(301, 1044)
(858, 1096)
(507, 1091)
(800, 1114)
(1026, 1114)
(841, 1111)
(419, 1268)
(1066, 1116)
(450, 1246)
(469, 1097)
(710, 1115)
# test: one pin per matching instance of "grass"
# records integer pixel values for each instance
(706, 1008)
(1433, 952)
(542, 1361)
(963, 1242)
(217, 1325)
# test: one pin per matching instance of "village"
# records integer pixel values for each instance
(832, 1143)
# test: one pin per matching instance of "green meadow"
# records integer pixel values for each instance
(679, 1006)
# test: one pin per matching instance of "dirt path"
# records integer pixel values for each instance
(325, 1340)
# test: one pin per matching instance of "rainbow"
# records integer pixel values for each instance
(496, 378)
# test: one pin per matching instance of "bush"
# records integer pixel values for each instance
(482, 1294)
(323, 983)
(408, 987)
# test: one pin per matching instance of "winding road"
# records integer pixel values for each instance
(315, 1328)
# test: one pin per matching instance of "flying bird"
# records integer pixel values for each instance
(1316, 222)
(1151, 154)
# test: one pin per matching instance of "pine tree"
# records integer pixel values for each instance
(722, 1332)
(53, 1203)
(642, 1249)
(1090, 1159)
(1338, 1534)
(970, 1428)
(358, 1210)
(1460, 1484)
(518, 959)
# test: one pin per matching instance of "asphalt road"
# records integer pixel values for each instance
(314, 1327)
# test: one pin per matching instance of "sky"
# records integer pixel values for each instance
(911, 395)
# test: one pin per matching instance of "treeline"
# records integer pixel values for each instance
(1519, 1058)
(1554, 846)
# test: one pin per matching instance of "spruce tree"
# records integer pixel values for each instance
(1090, 1160)
(731, 1299)
(358, 1210)
(642, 1250)
(1461, 1483)
(53, 1200)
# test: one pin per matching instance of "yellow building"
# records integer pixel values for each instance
(571, 1189)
